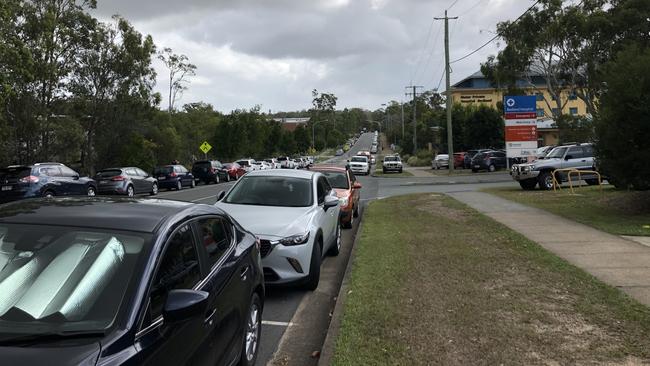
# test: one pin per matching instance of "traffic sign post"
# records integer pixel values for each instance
(520, 125)
(205, 147)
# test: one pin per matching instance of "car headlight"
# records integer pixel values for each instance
(532, 167)
(295, 239)
(343, 201)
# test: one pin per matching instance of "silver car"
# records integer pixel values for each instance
(295, 214)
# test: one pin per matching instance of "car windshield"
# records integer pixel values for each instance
(359, 159)
(282, 159)
(243, 163)
(109, 173)
(202, 164)
(271, 191)
(391, 158)
(337, 179)
(59, 279)
(162, 170)
(558, 152)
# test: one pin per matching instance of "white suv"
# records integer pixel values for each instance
(295, 214)
(286, 162)
(360, 165)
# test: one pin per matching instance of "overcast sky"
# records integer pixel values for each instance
(274, 52)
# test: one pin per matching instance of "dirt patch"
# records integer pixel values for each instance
(632, 203)
(435, 205)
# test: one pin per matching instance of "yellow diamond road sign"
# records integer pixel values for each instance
(205, 147)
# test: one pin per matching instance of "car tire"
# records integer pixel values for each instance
(384, 171)
(193, 184)
(314, 266)
(252, 332)
(217, 179)
(130, 192)
(528, 184)
(348, 225)
(91, 191)
(335, 249)
(592, 182)
(48, 194)
(400, 171)
(545, 180)
(492, 168)
(355, 213)
(179, 185)
(227, 177)
(154, 189)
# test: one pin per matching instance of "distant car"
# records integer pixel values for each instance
(209, 171)
(459, 159)
(234, 170)
(173, 177)
(339, 152)
(261, 165)
(360, 164)
(347, 189)
(392, 164)
(286, 162)
(275, 164)
(489, 160)
(43, 180)
(128, 181)
(440, 161)
(469, 155)
(373, 149)
(299, 163)
(248, 164)
(111, 281)
(296, 216)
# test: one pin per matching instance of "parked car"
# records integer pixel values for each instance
(392, 164)
(469, 155)
(347, 189)
(543, 151)
(366, 153)
(440, 161)
(234, 170)
(489, 160)
(43, 180)
(459, 159)
(261, 165)
(128, 181)
(360, 165)
(577, 156)
(373, 149)
(275, 164)
(299, 163)
(296, 216)
(286, 162)
(208, 171)
(110, 281)
(339, 152)
(248, 164)
(174, 177)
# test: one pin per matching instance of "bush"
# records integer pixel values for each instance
(425, 155)
(623, 130)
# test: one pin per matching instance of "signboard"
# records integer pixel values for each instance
(521, 125)
(205, 147)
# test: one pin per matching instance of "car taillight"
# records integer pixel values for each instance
(29, 179)
(118, 178)
(172, 174)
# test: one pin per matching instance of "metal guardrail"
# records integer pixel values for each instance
(558, 185)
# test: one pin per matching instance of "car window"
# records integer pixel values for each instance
(321, 190)
(50, 171)
(575, 152)
(131, 171)
(178, 269)
(141, 172)
(216, 236)
(67, 172)
(499, 154)
(588, 151)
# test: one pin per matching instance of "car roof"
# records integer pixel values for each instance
(305, 174)
(142, 215)
(329, 168)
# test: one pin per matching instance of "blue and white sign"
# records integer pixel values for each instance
(520, 104)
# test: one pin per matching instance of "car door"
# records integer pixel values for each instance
(500, 159)
(329, 218)
(73, 185)
(179, 267)
(144, 178)
(587, 162)
(229, 284)
(574, 158)
(135, 179)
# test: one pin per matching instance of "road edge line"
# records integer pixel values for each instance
(329, 346)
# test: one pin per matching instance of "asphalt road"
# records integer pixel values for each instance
(295, 322)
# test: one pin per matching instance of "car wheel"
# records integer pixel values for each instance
(228, 177)
(528, 184)
(48, 194)
(336, 248)
(384, 171)
(217, 179)
(545, 181)
(253, 332)
(356, 211)
(91, 192)
(193, 184)
(348, 225)
(130, 191)
(492, 168)
(154, 189)
(314, 266)
(179, 185)
(400, 171)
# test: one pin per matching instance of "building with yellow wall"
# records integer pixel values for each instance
(477, 89)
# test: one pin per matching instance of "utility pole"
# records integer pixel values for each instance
(450, 135)
(415, 124)
(402, 105)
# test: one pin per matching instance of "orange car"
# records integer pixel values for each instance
(347, 190)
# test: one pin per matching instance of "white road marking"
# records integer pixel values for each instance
(281, 324)
(205, 198)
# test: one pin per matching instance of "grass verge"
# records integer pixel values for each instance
(613, 211)
(447, 285)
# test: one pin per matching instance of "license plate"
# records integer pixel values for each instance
(161, 178)
(7, 188)
(103, 181)
(477, 166)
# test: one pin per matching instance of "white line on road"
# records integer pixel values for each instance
(205, 198)
(281, 324)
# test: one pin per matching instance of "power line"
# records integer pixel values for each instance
(452, 5)
(471, 8)
(430, 54)
(419, 61)
(496, 36)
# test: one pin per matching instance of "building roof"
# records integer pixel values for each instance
(478, 81)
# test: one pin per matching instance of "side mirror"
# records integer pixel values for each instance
(357, 185)
(221, 195)
(568, 157)
(182, 305)
(330, 201)
(75, 177)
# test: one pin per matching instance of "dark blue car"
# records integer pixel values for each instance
(43, 180)
(174, 177)
(109, 281)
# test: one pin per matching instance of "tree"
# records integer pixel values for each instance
(179, 70)
(622, 129)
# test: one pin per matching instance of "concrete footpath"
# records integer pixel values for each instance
(614, 260)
